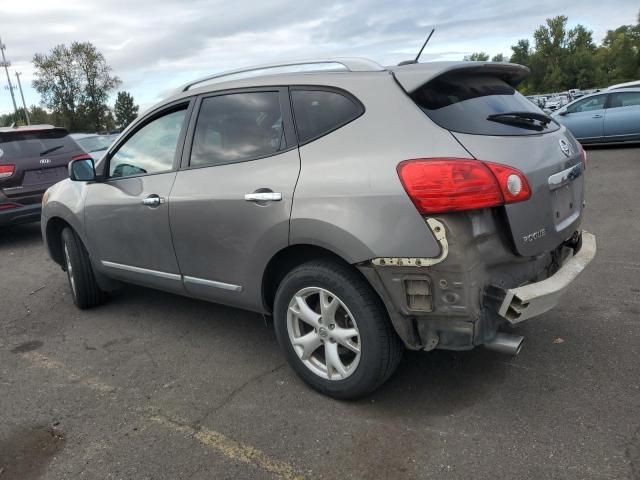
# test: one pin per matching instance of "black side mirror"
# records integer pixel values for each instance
(82, 169)
(563, 112)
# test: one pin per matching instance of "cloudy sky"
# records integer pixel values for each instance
(155, 45)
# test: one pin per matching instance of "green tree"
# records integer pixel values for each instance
(125, 109)
(619, 55)
(59, 84)
(548, 61)
(477, 57)
(12, 118)
(39, 115)
(97, 82)
(74, 83)
(580, 62)
(498, 58)
(521, 53)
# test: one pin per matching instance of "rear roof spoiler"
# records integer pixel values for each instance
(30, 128)
(412, 77)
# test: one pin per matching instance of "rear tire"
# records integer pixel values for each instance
(84, 288)
(343, 345)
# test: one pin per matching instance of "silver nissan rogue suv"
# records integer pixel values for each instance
(367, 209)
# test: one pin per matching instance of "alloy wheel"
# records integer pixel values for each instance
(72, 280)
(323, 333)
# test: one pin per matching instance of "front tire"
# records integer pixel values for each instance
(334, 330)
(84, 289)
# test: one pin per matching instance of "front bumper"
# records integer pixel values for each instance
(537, 298)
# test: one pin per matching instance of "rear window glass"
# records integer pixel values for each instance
(17, 145)
(96, 143)
(462, 103)
(319, 112)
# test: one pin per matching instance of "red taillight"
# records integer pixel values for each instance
(7, 170)
(512, 182)
(583, 154)
(7, 206)
(82, 156)
(456, 184)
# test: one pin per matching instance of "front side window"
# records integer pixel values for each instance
(318, 112)
(588, 104)
(237, 127)
(626, 99)
(151, 149)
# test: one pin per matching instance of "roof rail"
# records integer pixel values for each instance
(351, 64)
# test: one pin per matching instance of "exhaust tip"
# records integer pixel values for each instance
(505, 343)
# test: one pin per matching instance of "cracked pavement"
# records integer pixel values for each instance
(155, 386)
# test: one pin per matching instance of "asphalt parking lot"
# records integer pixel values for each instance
(154, 386)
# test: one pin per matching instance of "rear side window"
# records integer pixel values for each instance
(462, 103)
(238, 127)
(625, 99)
(18, 145)
(318, 112)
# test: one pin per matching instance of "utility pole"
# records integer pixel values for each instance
(6, 65)
(26, 112)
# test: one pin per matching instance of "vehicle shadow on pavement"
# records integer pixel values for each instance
(27, 234)
(442, 381)
(445, 381)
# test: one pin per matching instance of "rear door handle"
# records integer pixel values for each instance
(263, 197)
(153, 201)
(597, 116)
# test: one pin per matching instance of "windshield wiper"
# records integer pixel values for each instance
(52, 149)
(522, 119)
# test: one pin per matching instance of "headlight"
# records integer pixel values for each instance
(45, 197)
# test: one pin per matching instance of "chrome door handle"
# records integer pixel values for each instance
(597, 116)
(263, 197)
(152, 201)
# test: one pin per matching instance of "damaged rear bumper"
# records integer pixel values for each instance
(537, 298)
(463, 300)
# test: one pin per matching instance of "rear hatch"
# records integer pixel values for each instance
(495, 123)
(39, 158)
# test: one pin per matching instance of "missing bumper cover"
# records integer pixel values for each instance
(439, 232)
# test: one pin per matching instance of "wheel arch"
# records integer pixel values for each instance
(286, 260)
(53, 236)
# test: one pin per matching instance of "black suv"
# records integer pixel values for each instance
(31, 160)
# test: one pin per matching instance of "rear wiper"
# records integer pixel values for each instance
(518, 122)
(52, 149)
(522, 119)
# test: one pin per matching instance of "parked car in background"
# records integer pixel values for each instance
(293, 195)
(32, 159)
(610, 116)
(92, 143)
(634, 84)
(553, 103)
